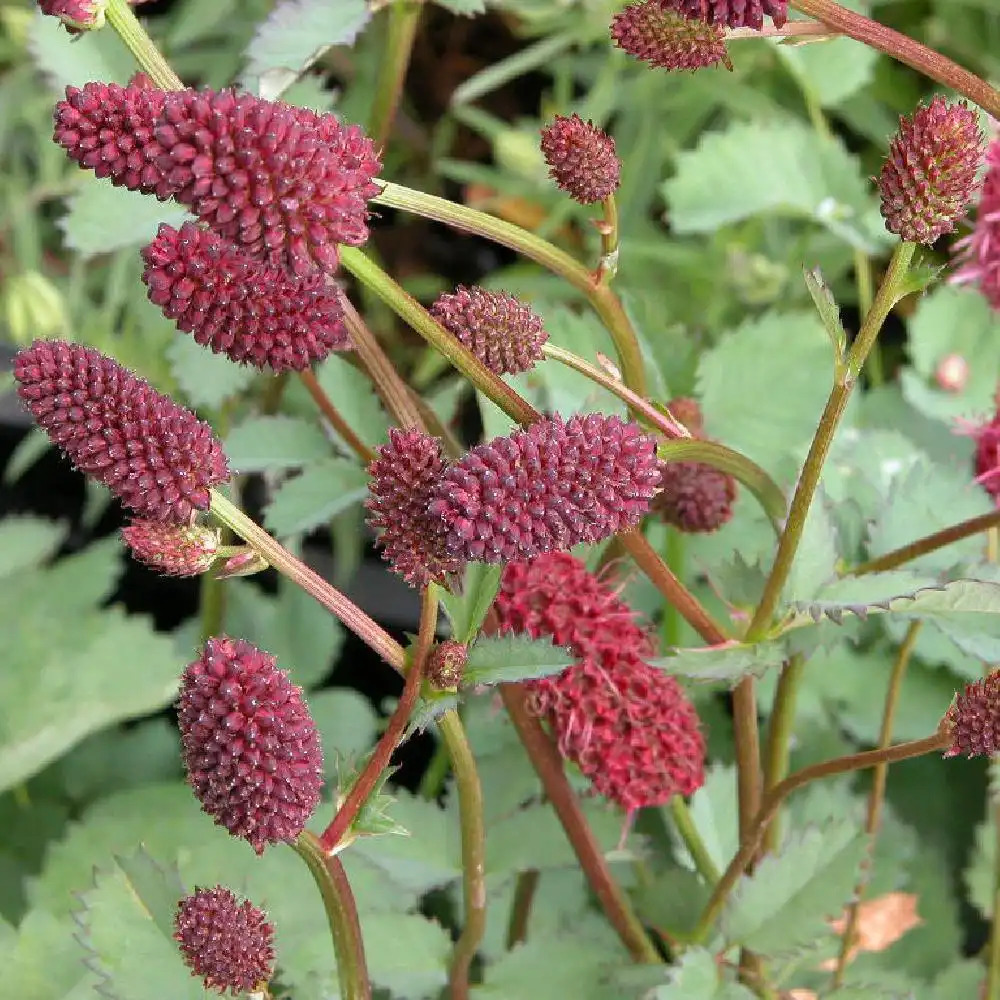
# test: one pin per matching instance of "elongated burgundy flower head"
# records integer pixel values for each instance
(159, 459)
(502, 332)
(551, 486)
(251, 311)
(403, 477)
(733, 13)
(929, 175)
(655, 33)
(251, 750)
(973, 720)
(172, 549)
(283, 183)
(226, 942)
(627, 726)
(581, 158)
(979, 252)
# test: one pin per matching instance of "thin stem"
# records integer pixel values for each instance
(378, 761)
(548, 765)
(404, 17)
(876, 795)
(138, 42)
(437, 771)
(409, 310)
(863, 281)
(607, 267)
(520, 910)
(773, 800)
(673, 557)
(365, 628)
(334, 416)
(909, 52)
(470, 812)
(685, 825)
(791, 29)
(342, 914)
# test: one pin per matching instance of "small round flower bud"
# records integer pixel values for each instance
(250, 311)
(694, 497)
(403, 477)
(172, 549)
(929, 176)
(225, 942)
(551, 486)
(446, 665)
(733, 13)
(628, 726)
(77, 15)
(581, 158)
(250, 747)
(502, 332)
(973, 720)
(666, 38)
(159, 459)
(979, 252)
(952, 373)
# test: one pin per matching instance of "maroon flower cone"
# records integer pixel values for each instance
(159, 459)
(973, 720)
(446, 664)
(979, 252)
(551, 486)
(172, 549)
(403, 478)
(929, 177)
(733, 13)
(250, 747)
(252, 312)
(668, 39)
(283, 183)
(694, 497)
(76, 15)
(502, 332)
(581, 158)
(627, 726)
(226, 942)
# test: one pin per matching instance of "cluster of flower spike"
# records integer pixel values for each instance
(655, 33)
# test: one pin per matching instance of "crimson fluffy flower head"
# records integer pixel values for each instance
(250, 747)
(251, 311)
(446, 664)
(628, 726)
(226, 942)
(694, 497)
(173, 549)
(77, 15)
(929, 176)
(403, 477)
(550, 486)
(668, 39)
(979, 252)
(159, 459)
(285, 184)
(502, 332)
(733, 13)
(986, 458)
(581, 158)
(973, 720)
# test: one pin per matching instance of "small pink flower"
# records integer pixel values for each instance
(172, 549)
(973, 720)
(76, 15)
(581, 158)
(668, 39)
(986, 458)
(979, 252)
(952, 373)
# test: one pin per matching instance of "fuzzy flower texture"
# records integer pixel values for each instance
(979, 252)
(581, 158)
(732, 13)
(973, 720)
(628, 726)
(173, 549)
(654, 33)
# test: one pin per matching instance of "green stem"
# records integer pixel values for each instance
(365, 628)
(601, 297)
(909, 52)
(138, 42)
(437, 771)
(607, 268)
(547, 763)
(685, 825)
(334, 416)
(779, 733)
(470, 811)
(520, 910)
(673, 557)
(885, 299)
(342, 914)
(411, 312)
(863, 280)
(404, 17)
(876, 795)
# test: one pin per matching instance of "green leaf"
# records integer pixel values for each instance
(714, 813)
(673, 901)
(978, 876)
(346, 722)
(820, 181)
(71, 61)
(816, 558)
(962, 979)
(206, 379)
(42, 961)
(26, 541)
(407, 954)
(696, 977)
(261, 444)
(508, 658)
(869, 989)
(829, 311)
(157, 887)
(782, 906)
(352, 393)
(728, 662)
(316, 495)
(101, 218)
(463, 8)
(468, 608)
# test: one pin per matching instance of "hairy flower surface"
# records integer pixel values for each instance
(159, 459)
(252, 312)
(502, 332)
(979, 252)
(694, 497)
(986, 458)
(733, 13)
(581, 158)
(173, 549)
(973, 720)
(226, 942)
(551, 486)
(929, 175)
(666, 38)
(250, 747)
(629, 727)
(283, 183)
(81, 15)
(403, 477)
(446, 664)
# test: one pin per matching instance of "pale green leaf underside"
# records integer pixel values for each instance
(510, 658)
